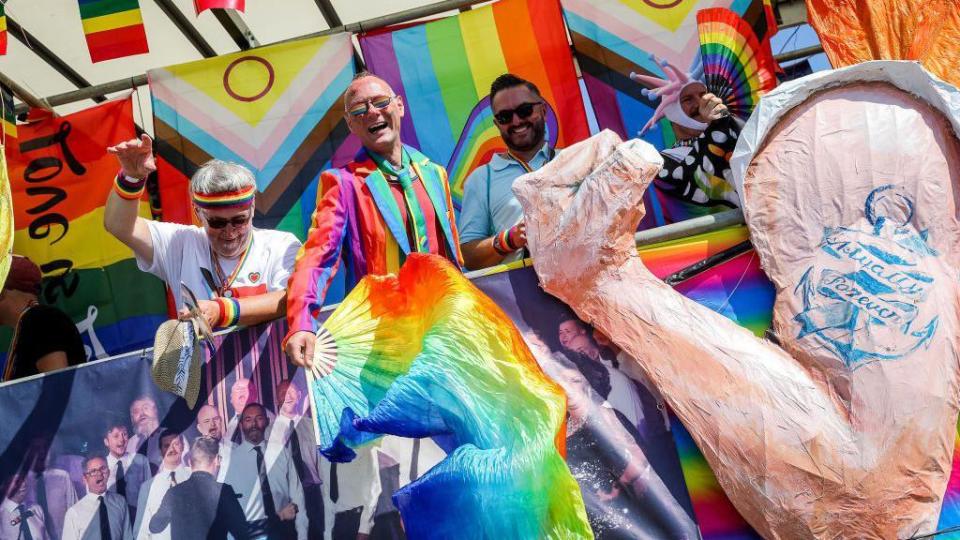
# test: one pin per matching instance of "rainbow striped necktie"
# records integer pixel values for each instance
(415, 213)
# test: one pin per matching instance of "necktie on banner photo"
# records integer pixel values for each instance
(173, 479)
(269, 506)
(113, 28)
(104, 519)
(424, 353)
(121, 479)
(24, 515)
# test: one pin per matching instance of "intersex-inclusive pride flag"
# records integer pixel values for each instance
(113, 28)
(277, 110)
(60, 177)
(613, 38)
(443, 70)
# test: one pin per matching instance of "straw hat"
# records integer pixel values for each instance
(176, 360)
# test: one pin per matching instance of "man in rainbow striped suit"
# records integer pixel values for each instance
(390, 201)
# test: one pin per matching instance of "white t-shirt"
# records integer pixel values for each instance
(181, 251)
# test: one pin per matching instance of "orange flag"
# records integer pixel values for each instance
(924, 30)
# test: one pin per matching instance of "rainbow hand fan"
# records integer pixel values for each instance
(737, 67)
(426, 354)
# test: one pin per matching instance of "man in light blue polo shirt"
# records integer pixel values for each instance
(491, 220)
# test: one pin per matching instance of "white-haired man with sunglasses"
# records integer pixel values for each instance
(238, 272)
(491, 220)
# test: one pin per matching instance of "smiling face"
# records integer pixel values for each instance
(690, 100)
(241, 394)
(229, 240)
(378, 129)
(520, 134)
(290, 395)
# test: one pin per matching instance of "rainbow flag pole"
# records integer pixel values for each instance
(113, 28)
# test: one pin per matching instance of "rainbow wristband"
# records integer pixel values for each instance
(129, 188)
(229, 312)
(501, 244)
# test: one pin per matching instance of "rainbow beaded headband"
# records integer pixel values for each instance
(227, 199)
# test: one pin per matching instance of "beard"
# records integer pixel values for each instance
(537, 131)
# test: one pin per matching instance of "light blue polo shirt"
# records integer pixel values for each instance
(489, 205)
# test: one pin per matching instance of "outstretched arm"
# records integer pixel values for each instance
(120, 216)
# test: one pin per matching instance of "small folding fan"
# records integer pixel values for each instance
(737, 67)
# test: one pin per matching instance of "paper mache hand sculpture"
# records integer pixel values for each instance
(850, 188)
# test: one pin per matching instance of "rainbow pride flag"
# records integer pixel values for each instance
(277, 110)
(113, 28)
(3, 29)
(443, 70)
(60, 178)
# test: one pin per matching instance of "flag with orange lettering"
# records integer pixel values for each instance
(60, 177)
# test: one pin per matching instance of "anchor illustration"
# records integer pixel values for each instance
(867, 305)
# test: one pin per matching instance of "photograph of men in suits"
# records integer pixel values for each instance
(200, 507)
(171, 472)
(100, 514)
(19, 520)
(267, 481)
(293, 430)
(128, 471)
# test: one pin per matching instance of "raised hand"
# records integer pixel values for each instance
(135, 156)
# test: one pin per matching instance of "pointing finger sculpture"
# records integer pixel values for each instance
(850, 187)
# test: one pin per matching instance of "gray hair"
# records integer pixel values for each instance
(203, 450)
(216, 176)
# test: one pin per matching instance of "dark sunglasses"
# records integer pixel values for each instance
(361, 109)
(219, 222)
(523, 111)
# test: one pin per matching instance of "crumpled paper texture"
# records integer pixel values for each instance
(846, 432)
(854, 31)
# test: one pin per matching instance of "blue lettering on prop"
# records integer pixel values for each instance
(865, 304)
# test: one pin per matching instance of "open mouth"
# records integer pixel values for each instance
(377, 128)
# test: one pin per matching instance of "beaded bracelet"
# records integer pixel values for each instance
(229, 312)
(129, 188)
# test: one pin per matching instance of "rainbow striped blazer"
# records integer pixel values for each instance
(355, 229)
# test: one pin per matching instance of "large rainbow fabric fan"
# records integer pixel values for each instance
(737, 67)
(426, 354)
